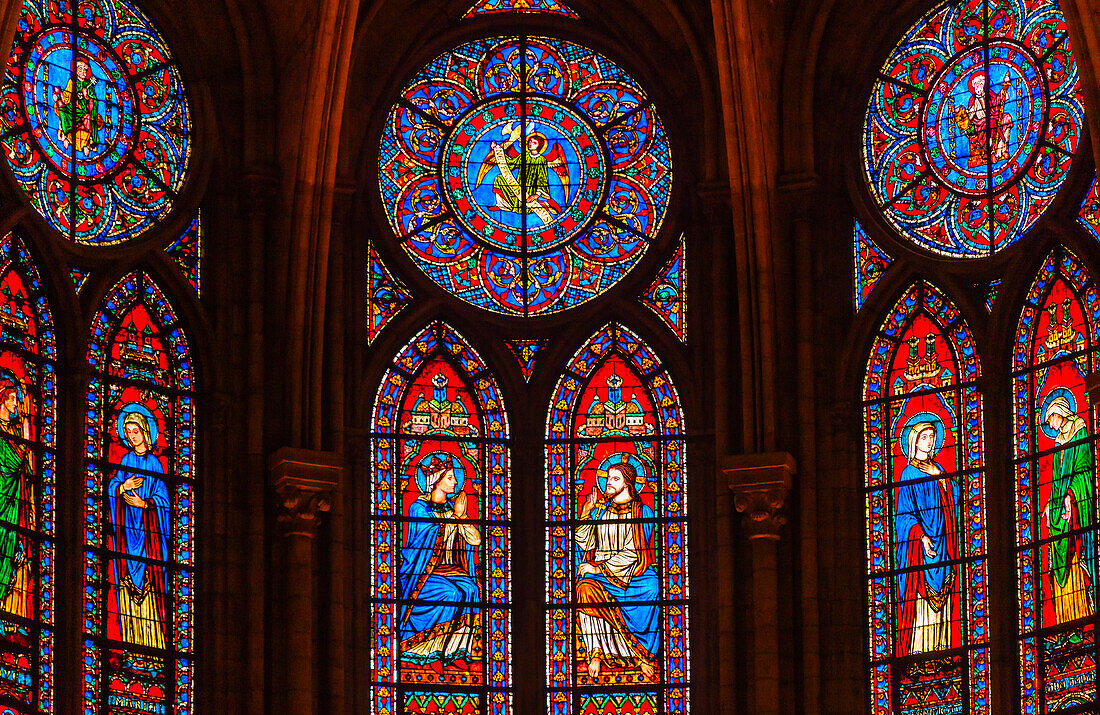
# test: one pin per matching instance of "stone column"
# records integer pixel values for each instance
(760, 484)
(305, 483)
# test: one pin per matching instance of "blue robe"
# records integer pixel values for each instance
(137, 531)
(640, 615)
(924, 509)
(445, 593)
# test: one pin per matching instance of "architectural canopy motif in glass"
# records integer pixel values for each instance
(524, 175)
(93, 119)
(972, 124)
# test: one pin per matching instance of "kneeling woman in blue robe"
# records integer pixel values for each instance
(438, 569)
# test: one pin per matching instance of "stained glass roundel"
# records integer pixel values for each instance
(973, 123)
(524, 175)
(94, 121)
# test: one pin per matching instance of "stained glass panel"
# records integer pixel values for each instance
(616, 501)
(973, 123)
(489, 7)
(28, 438)
(1089, 216)
(667, 295)
(524, 175)
(93, 119)
(1055, 464)
(871, 264)
(440, 533)
(991, 294)
(525, 352)
(925, 491)
(139, 512)
(79, 277)
(186, 252)
(388, 296)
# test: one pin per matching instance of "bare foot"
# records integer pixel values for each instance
(594, 668)
(647, 669)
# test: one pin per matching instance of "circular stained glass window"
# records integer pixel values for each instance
(524, 175)
(973, 123)
(95, 125)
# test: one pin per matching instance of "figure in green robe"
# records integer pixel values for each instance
(16, 501)
(1071, 507)
(77, 109)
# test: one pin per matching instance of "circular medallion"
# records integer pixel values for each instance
(983, 120)
(94, 121)
(972, 125)
(78, 104)
(525, 175)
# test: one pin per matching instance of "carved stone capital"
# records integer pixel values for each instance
(305, 483)
(760, 484)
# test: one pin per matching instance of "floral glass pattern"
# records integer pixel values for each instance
(93, 119)
(871, 263)
(925, 492)
(616, 507)
(492, 7)
(139, 513)
(667, 295)
(524, 175)
(972, 124)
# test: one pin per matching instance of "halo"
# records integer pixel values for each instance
(934, 419)
(422, 473)
(10, 374)
(619, 458)
(544, 142)
(1056, 392)
(142, 410)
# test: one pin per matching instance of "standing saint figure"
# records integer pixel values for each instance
(16, 500)
(138, 505)
(77, 108)
(439, 566)
(984, 122)
(1070, 507)
(616, 583)
(925, 524)
(529, 167)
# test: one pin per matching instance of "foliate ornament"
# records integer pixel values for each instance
(301, 504)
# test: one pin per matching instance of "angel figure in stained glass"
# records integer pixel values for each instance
(16, 496)
(77, 108)
(531, 167)
(616, 582)
(1069, 512)
(925, 525)
(984, 122)
(439, 568)
(138, 506)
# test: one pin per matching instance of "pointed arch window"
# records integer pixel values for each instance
(925, 500)
(1055, 464)
(139, 514)
(616, 504)
(440, 533)
(28, 423)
